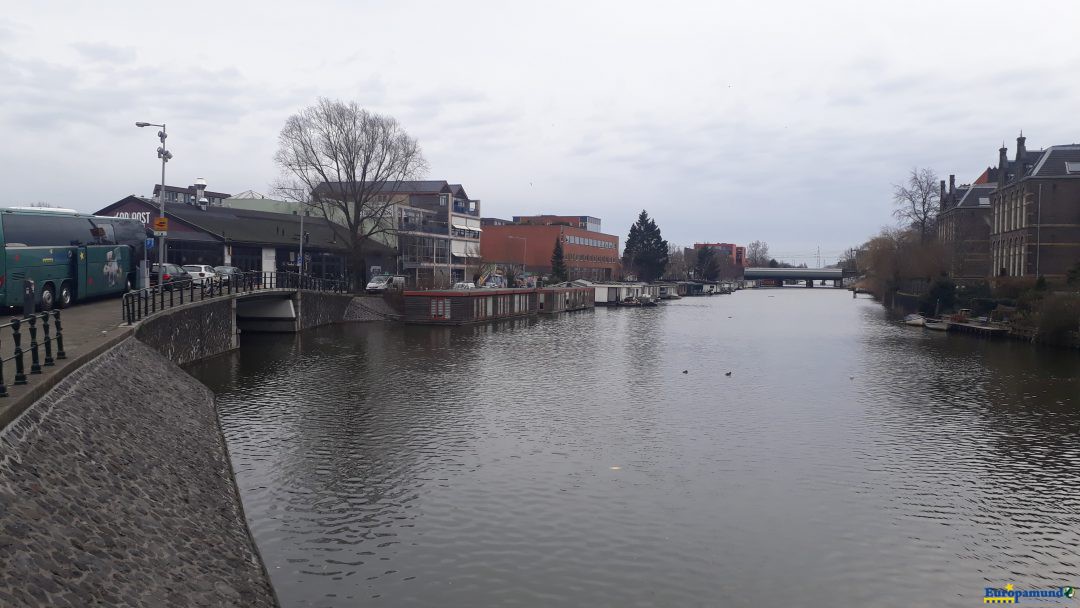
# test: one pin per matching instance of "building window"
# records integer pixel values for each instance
(443, 199)
(440, 308)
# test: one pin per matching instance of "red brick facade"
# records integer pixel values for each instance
(589, 255)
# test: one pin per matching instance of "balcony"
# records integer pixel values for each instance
(461, 209)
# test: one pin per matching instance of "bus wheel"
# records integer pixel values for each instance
(65, 295)
(48, 297)
(130, 284)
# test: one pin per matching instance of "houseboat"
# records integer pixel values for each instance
(669, 291)
(463, 306)
(564, 298)
(618, 294)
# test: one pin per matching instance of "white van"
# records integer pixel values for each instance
(384, 282)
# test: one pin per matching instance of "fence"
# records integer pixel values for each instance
(39, 333)
(142, 303)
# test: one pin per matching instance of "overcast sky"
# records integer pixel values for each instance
(727, 121)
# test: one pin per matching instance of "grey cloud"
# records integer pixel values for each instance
(47, 96)
(105, 52)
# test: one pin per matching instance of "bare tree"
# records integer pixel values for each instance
(917, 201)
(707, 264)
(678, 267)
(757, 254)
(348, 162)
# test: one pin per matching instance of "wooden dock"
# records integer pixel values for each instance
(978, 329)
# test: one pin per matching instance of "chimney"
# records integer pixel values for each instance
(952, 187)
(1021, 153)
(941, 197)
(1003, 165)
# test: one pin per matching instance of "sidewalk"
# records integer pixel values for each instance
(89, 329)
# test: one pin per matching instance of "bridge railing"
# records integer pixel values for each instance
(142, 303)
(28, 344)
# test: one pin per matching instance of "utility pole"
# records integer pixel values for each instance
(164, 155)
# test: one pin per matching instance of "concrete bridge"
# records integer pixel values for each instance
(809, 275)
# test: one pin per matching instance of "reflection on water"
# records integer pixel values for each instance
(846, 461)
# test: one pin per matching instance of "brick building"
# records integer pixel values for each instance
(1035, 213)
(529, 242)
(964, 227)
(732, 258)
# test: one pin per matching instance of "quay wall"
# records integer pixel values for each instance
(191, 332)
(116, 487)
(370, 308)
(322, 308)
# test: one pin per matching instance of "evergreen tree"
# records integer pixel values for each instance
(558, 263)
(646, 251)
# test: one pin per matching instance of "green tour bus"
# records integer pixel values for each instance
(69, 256)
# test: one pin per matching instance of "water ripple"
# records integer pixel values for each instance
(847, 460)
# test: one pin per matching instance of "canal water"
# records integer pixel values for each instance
(784, 447)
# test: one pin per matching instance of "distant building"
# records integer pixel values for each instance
(735, 252)
(732, 258)
(437, 228)
(530, 240)
(592, 224)
(191, 195)
(964, 227)
(1035, 212)
(251, 240)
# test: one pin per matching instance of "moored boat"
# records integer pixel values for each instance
(915, 320)
(936, 325)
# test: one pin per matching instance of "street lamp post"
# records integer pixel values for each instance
(300, 196)
(164, 155)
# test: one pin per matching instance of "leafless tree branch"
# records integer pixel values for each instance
(346, 163)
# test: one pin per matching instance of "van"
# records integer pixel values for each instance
(383, 282)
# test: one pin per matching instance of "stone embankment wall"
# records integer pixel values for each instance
(322, 308)
(362, 309)
(192, 332)
(116, 489)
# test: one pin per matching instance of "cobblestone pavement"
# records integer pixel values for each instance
(87, 327)
(116, 490)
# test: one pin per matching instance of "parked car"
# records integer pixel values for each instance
(384, 282)
(200, 272)
(172, 274)
(227, 273)
(464, 285)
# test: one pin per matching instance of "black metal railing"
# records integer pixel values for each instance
(143, 303)
(39, 337)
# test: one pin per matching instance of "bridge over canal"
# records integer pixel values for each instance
(809, 275)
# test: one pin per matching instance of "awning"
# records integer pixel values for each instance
(473, 228)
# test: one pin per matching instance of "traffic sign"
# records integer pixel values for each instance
(150, 243)
(160, 233)
(161, 224)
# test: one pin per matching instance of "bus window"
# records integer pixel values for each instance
(38, 231)
(104, 233)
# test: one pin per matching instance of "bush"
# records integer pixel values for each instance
(1058, 318)
(1011, 288)
(942, 293)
